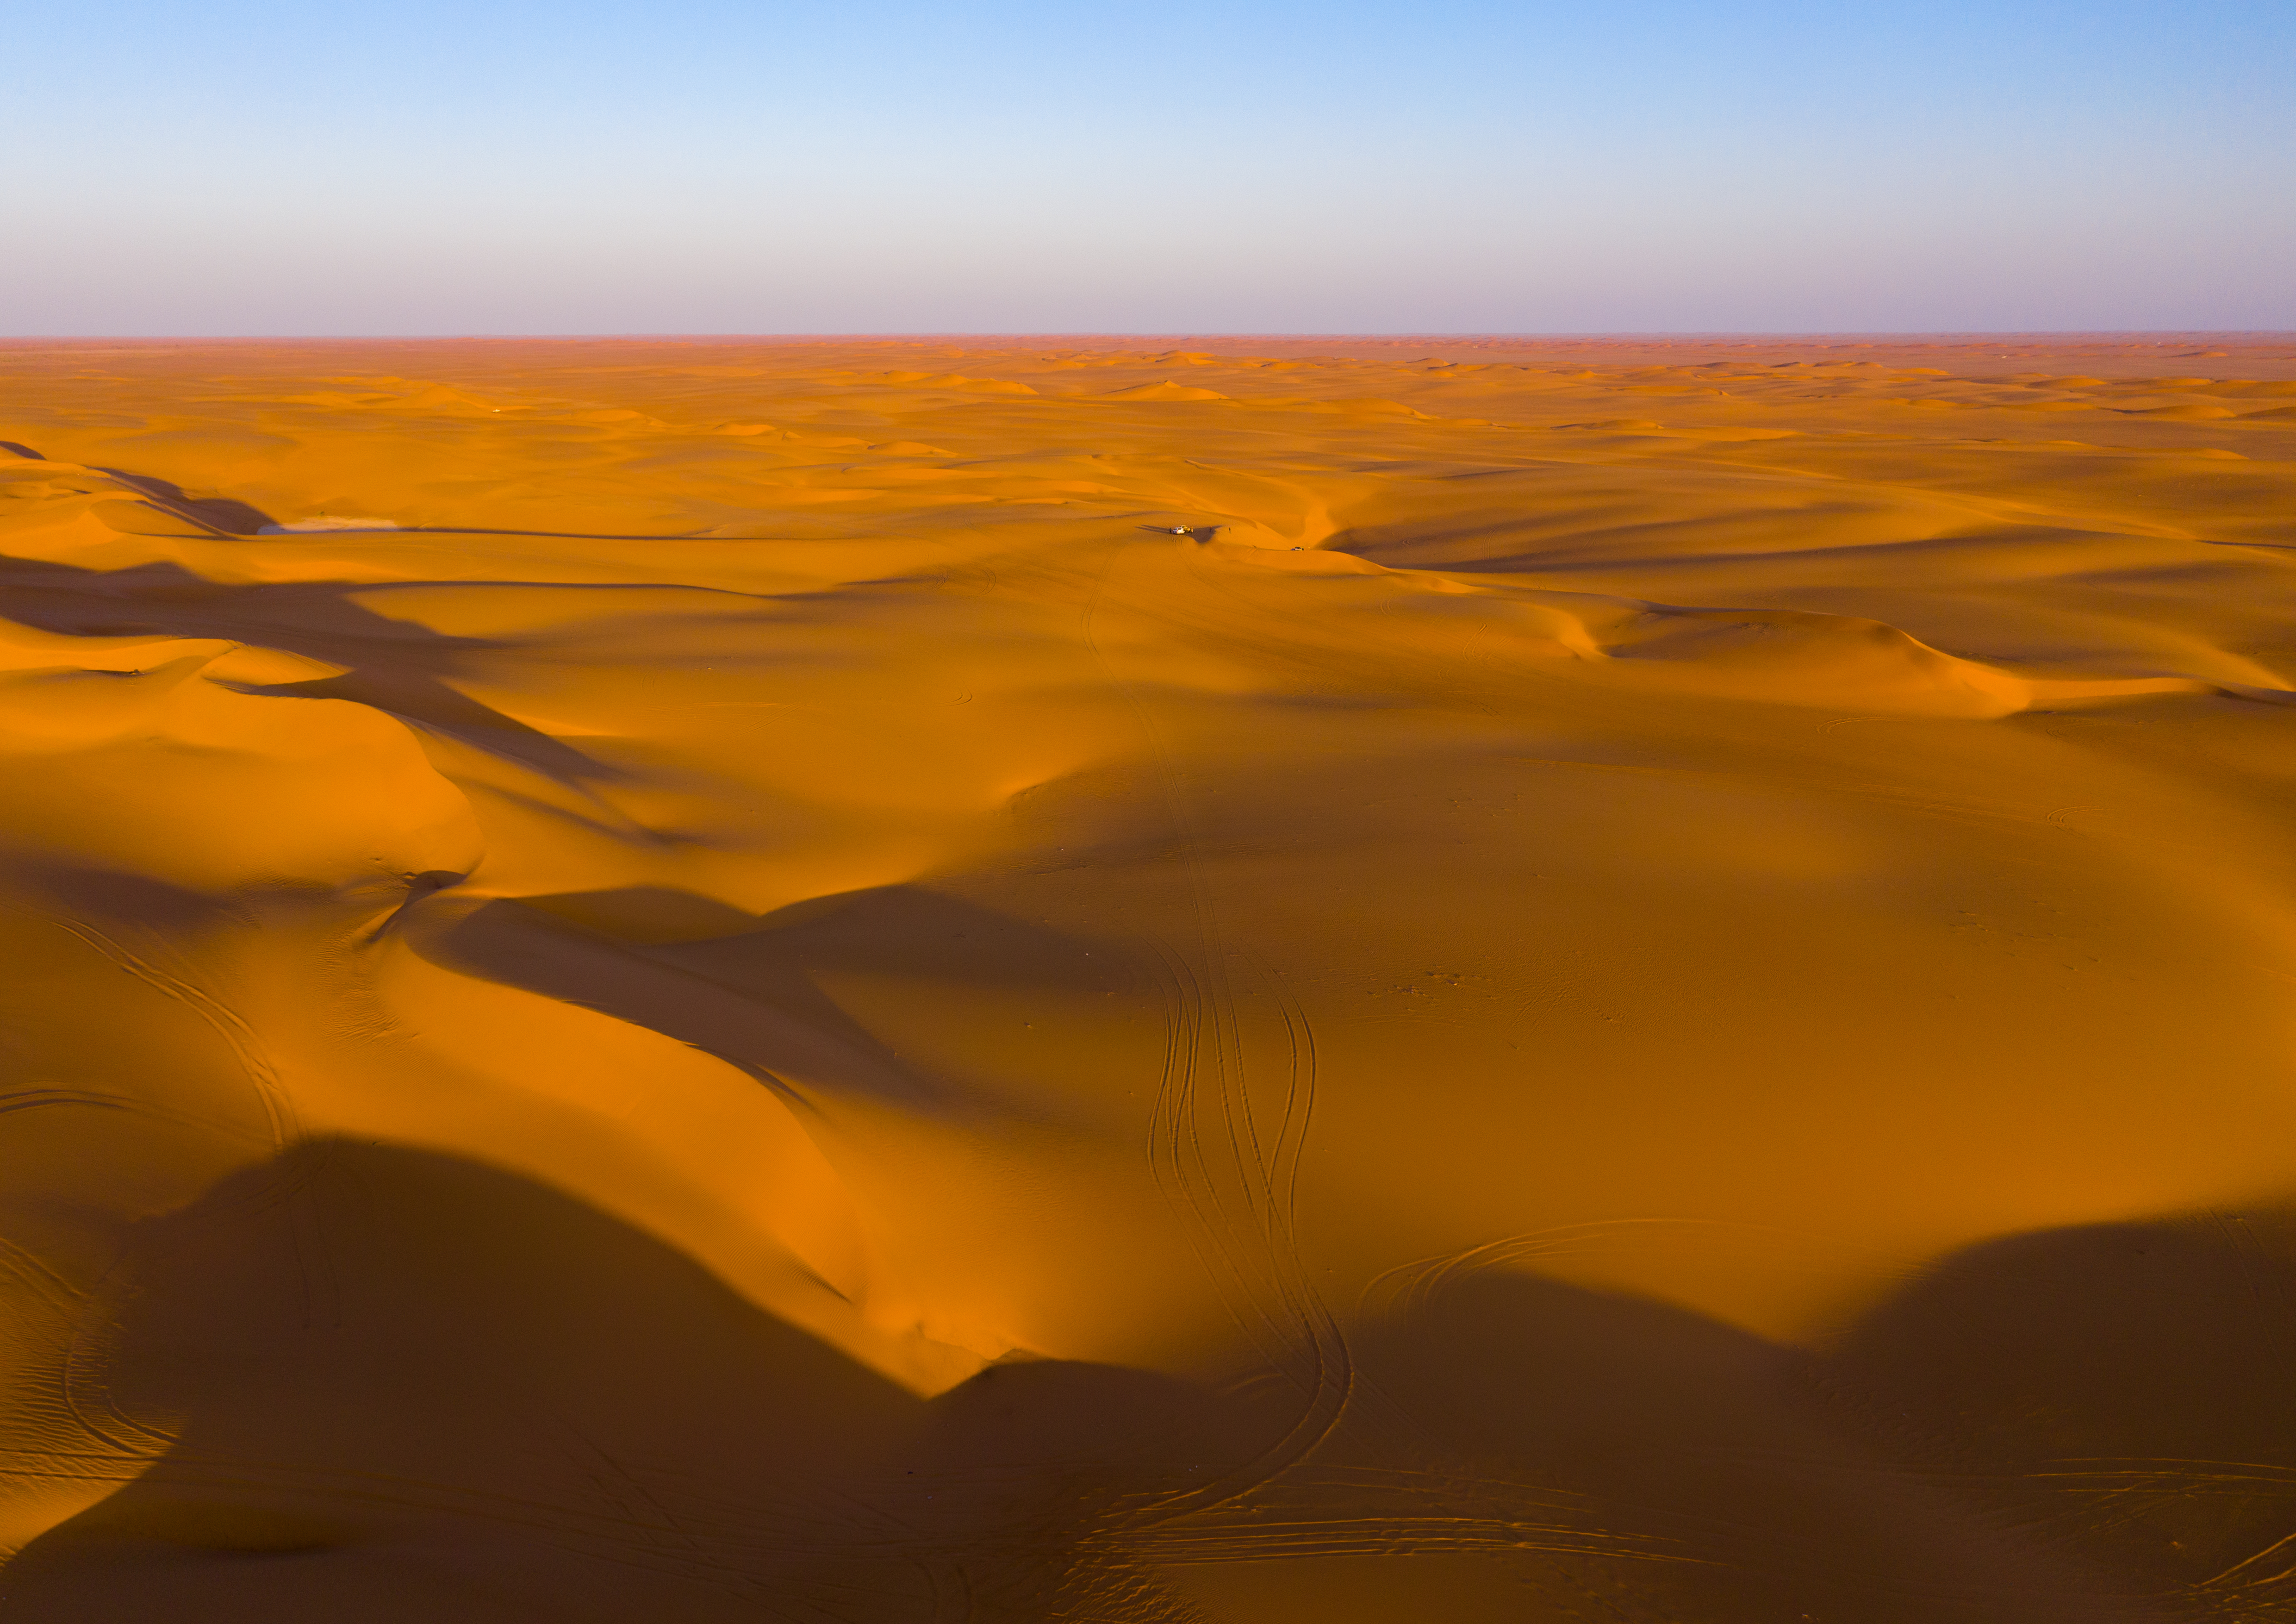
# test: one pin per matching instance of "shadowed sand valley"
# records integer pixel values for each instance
(1067, 980)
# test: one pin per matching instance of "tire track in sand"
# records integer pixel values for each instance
(1235, 1189)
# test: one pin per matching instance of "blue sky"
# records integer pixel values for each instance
(697, 166)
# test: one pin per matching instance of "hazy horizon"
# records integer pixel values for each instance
(264, 169)
(889, 336)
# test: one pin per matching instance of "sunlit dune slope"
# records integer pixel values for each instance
(1253, 983)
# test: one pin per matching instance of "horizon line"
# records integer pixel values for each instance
(2153, 334)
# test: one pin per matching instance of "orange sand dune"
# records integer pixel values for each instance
(1240, 982)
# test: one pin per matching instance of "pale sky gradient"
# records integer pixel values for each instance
(1240, 165)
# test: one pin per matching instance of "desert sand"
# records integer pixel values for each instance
(1237, 982)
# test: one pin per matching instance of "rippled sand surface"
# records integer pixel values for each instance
(675, 982)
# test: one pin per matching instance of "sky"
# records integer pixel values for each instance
(1238, 165)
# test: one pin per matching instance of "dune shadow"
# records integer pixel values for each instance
(403, 1384)
(746, 988)
(2083, 1425)
(2130, 1389)
(227, 514)
(84, 893)
(1676, 1467)
(21, 449)
(394, 666)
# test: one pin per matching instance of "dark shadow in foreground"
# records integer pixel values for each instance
(404, 1386)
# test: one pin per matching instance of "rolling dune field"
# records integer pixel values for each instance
(1267, 982)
